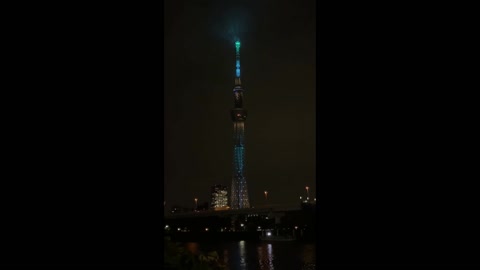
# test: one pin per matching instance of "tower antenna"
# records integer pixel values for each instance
(238, 81)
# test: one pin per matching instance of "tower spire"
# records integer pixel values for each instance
(238, 81)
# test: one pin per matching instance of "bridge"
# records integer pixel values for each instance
(247, 223)
(263, 216)
(262, 210)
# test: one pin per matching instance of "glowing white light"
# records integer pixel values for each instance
(269, 233)
(206, 229)
(259, 227)
(166, 226)
(178, 229)
(241, 225)
(296, 227)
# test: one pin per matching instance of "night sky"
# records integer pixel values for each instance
(278, 75)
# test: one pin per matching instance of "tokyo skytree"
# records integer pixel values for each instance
(239, 191)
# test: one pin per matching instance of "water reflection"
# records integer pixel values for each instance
(265, 257)
(308, 254)
(192, 247)
(243, 257)
(225, 256)
(308, 257)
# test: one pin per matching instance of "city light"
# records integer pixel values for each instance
(166, 226)
(296, 227)
(269, 233)
(178, 229)
(219, 198)
(241, 225)
(206, 229)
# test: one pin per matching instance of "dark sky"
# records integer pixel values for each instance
(278, 74)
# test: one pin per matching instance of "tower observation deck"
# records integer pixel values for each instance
(239, 191)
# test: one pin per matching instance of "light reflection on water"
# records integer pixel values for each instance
(192, 247)
(243, 255)
(265, 257)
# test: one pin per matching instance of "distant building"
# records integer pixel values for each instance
(219, 198)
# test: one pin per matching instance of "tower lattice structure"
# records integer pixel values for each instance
(239, 191)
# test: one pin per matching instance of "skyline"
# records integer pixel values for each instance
(197, 199)
(278, 76)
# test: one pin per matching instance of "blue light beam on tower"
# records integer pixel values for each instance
(237, 63)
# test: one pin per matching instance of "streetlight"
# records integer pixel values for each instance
(266, 194)
(196, 205)
(308, 195)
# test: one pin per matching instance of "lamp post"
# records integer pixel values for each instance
(308, 195)
(196, 205)
(266, 195)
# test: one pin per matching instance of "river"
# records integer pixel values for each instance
(253, 255)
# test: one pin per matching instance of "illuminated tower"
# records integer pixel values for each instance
(239, 192)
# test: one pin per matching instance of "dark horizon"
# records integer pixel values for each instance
(278, 75)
